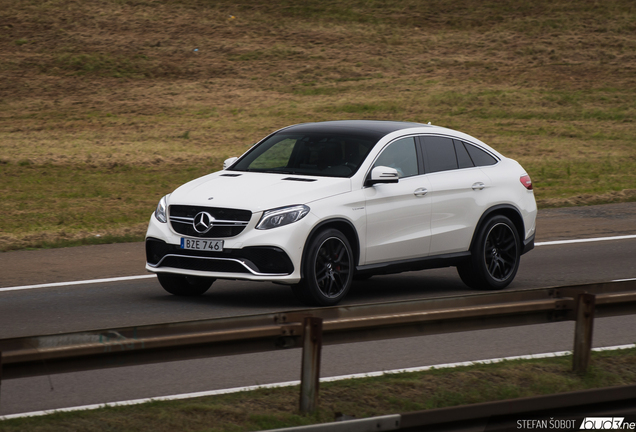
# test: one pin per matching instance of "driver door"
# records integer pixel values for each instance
(399, 214)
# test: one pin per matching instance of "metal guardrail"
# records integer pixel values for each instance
(564, 411)
(71, 352)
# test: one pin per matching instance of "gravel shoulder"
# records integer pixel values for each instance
(128, 259)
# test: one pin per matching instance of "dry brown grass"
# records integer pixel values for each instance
(160, 83)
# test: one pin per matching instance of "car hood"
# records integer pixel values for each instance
(257, 191)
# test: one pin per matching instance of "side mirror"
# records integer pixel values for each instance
(229, 162)
(383, 174)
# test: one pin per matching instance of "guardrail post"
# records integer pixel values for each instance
(585, 304)
(310, 368)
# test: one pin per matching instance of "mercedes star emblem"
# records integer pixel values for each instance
(203, 222)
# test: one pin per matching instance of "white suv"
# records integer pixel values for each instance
(318, 205)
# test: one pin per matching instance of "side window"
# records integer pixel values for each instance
(400, 155)
(463, 159)
(440, 154)
(479, 157)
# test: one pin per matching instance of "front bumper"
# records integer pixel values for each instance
(528, 245)
(260, 255)
(251, 261)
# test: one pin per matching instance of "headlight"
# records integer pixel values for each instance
(161, 211)
(282, 216)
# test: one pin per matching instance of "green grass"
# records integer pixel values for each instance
(41, 205)
(367, 397)
(99, 204)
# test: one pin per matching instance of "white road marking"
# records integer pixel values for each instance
(126, 278)
(295, 383)
(560, 242)
(91, 281)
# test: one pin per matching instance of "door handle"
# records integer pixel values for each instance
(478, 186)
(420, 192)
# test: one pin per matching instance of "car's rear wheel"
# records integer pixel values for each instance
(327, 269)
(495, 256)
(184, 285)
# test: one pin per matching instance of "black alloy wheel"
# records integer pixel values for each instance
(501, 252)
(332, 267)
(328, 270)
(181, 285)
(495, 256)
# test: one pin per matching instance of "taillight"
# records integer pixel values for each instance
(526, 181)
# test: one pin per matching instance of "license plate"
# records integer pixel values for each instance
(202, 245)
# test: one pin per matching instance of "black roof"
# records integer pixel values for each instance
(373, 129)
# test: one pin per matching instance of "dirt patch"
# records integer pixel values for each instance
(59, 238)
(586, 222)
(625, 195)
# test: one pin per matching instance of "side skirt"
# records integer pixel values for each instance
(437, 261)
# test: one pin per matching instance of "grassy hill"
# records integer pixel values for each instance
(105, 106)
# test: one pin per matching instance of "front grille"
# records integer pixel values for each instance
(226, 223)
(258, 259)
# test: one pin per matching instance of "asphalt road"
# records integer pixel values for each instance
(126, 303)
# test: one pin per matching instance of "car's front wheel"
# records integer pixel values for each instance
(495, 256)
(327, 269)
(184, 285)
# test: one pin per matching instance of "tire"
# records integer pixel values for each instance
(495, 256)
(327, 269)
(181, 285)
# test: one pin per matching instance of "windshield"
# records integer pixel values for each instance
(316, 154)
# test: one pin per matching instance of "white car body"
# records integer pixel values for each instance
(423, 220)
